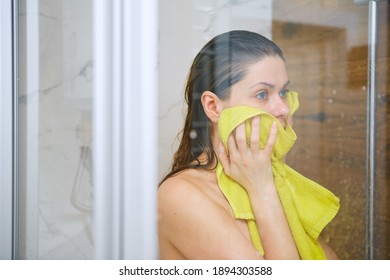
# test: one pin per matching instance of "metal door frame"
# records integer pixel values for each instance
(8, 88)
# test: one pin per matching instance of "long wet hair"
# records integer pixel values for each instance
(221, 63)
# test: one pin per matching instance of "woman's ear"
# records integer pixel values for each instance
(211, 105)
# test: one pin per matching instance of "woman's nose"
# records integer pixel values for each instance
(280, 107)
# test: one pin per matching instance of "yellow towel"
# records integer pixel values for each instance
(308, 206)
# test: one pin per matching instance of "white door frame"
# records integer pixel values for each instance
(125, 123)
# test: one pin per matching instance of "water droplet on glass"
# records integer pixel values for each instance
(193, 134)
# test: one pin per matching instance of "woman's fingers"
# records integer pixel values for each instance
(254, 140)
(255, 134)
(271, 138)
(240, 137)
(237, 147)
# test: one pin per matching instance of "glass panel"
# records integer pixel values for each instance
(325, 45)
(55, 118)
(382, 198)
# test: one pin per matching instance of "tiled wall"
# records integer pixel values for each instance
(55, 130)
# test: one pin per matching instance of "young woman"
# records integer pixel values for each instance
(196, 220)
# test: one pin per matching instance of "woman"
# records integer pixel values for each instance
(196, 220)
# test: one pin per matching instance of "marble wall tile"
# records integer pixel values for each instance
(175, 54)
(64, 136)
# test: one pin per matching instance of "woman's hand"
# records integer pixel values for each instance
(250, 166)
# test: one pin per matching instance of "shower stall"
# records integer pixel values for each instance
(92, 91)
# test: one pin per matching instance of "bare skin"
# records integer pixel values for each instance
(195, 219)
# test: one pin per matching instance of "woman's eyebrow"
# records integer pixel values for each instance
(272, 86)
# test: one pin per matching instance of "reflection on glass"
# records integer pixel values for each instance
(55, 119)
(325, 44)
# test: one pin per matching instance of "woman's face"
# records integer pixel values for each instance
(264, 87)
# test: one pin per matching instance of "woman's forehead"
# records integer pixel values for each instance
(270, 72)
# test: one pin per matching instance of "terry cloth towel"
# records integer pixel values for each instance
(308, 206)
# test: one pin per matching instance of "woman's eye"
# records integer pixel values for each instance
(262, 95)
(283, 93)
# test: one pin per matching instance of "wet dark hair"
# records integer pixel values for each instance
(221, 63)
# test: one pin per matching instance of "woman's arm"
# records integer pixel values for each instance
(330, 254)
(251, 167)
(195, 225)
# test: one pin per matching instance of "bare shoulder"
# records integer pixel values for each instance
(183, 201)
(186, 192)
(184, 188)
(178, 185)
(193, 222)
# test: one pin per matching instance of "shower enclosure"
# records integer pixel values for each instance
(87, 127)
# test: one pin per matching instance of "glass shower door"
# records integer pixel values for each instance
(326, 49)
(54, 139)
